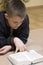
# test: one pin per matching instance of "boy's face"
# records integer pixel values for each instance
(14, 21)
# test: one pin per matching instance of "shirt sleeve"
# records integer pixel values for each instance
(24, 34)
(3, 40)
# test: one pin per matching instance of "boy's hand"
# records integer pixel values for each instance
(19, 45)
(5, 49)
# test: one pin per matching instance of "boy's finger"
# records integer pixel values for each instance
(16, 50)
(3, 52)
(1, 49)
(25, 48)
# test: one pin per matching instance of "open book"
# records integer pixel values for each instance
(25, 58)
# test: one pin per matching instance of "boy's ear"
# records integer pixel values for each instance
(6, 15)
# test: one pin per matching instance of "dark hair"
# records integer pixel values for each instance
(15, 7)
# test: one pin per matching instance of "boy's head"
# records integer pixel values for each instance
(15, 12)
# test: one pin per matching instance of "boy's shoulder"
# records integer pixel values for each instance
(26, 19)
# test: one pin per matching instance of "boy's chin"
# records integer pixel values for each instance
(14, 27)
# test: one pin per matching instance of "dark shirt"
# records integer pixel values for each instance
(7, 34)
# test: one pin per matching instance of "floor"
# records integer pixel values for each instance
(36, 27)
(36, 17)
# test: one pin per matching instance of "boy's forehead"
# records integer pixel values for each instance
(17, 18)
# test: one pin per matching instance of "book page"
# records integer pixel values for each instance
(33, 55)
(19, 56)
(19, 59)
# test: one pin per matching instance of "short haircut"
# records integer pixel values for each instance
(15, 7)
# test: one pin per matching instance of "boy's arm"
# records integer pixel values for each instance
(25, 30)
(6, 44)
(3, 40)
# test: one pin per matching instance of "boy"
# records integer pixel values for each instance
(14, 27)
